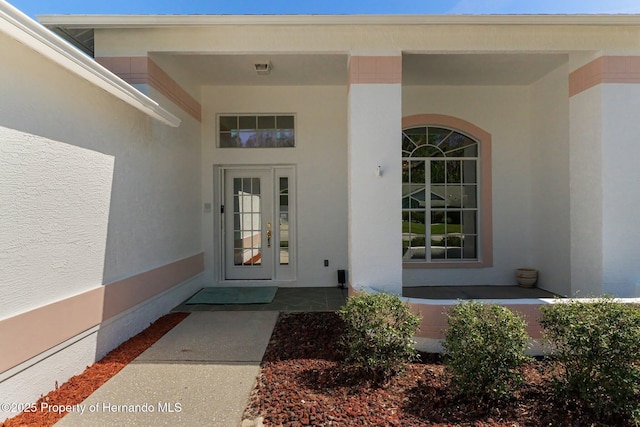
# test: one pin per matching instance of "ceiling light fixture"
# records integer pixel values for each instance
(263, 68)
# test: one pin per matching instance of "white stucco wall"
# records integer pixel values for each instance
(620, 190)
(504, 112)
(550, 181)
(55, 201)
(91, 191)
(375, 202)
(320, 157)
(152, 195)
(585, 166)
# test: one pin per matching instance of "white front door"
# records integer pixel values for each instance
(248, 219)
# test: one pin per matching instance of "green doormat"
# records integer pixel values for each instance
(262, 295)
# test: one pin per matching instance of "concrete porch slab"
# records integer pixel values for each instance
(475, 292)
(299, 299)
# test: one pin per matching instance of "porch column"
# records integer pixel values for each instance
(375, 176)
(605, 194)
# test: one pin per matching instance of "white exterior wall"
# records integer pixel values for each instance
(550, 181)
(91, 191)
(153, 200)
(525, 122)
(620, 190)
(585, 167)
(375, 203)
(55, 208)
(504, 112)
(320, 157)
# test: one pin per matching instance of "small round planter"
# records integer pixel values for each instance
(527, 277)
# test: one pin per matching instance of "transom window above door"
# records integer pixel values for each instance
(440, 195)
(256, 131)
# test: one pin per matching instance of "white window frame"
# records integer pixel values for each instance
(484, 249)
(219, 131)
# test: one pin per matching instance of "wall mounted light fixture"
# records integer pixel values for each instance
(379, 171)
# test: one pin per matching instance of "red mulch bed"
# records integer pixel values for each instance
(79, 387)
(304, 383)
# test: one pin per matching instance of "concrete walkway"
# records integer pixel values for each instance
(200, 373)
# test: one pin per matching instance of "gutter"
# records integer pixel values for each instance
(23, 29)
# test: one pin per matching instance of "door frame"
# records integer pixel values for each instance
(284, 274)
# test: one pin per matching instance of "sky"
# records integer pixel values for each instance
(259, 7)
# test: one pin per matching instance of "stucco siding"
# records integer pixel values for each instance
(93, 192)
(549, 154)
(142, 177)
(585, 168)
(375, 202)
(620, 191)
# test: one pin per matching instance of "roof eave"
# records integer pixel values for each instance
(142, 21)
(23, 29)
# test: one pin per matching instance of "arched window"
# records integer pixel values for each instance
(442, 197)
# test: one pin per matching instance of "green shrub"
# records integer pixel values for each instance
(484, 347)
(378, 336)
(597, 344)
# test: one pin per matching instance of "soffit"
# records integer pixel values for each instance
(332, 69)
(231, 70)
(477, 69)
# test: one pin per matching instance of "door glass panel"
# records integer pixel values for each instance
(246, 222)
(255, 186)
(283, 225)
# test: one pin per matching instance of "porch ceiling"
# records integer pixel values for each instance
(331, 69)
(478, 68)
(238, 69)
